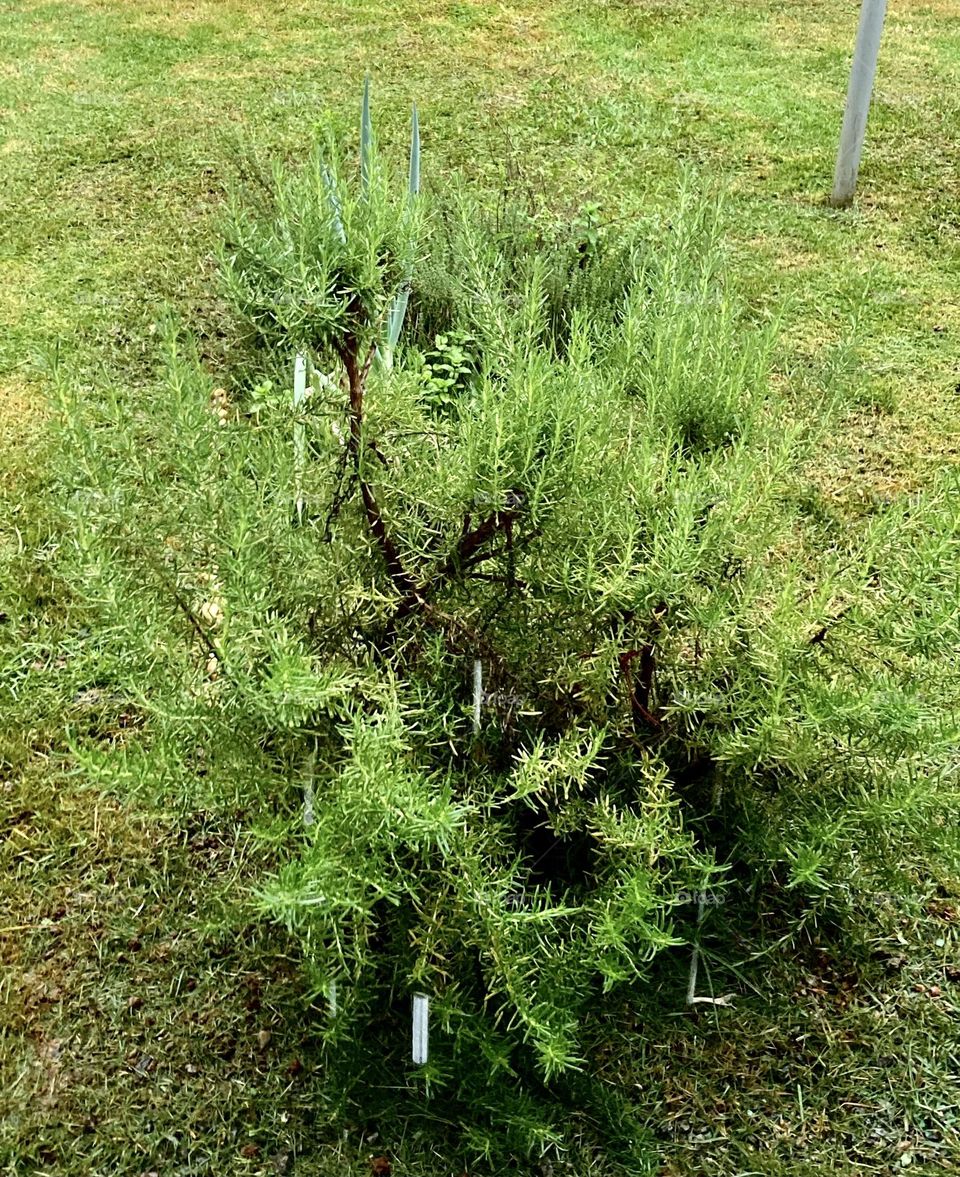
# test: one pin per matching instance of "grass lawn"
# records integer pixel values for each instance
(150, 1024)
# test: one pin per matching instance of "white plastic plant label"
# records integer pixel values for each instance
(299, 434)
(477, 693)
(421, 1028)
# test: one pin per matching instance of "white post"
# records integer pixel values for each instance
(299, 433)
(695, 954)
(477, 694)
(421, 1029)
(858, 101)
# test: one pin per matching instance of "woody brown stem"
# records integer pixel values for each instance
(467, 552)
(356, 379)
(464, 555)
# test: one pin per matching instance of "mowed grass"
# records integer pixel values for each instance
(149, 1023)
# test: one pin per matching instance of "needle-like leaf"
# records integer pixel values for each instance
(333, 196)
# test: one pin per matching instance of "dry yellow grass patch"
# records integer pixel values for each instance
(948, 8)
(23, 414)
(173, 16)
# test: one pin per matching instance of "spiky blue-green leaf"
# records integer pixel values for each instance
(395, 323)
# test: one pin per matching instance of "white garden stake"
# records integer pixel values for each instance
(332, 999)
(421, 1028)
(299, 432)
(858, 101)
(477, 693)
(695, 957)
(692, 998)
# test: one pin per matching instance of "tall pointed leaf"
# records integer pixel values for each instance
(395, 323)
(399, 309)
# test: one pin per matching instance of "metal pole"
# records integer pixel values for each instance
(858, 101)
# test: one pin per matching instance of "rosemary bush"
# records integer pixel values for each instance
(601, 516)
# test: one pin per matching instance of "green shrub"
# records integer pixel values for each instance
(599, 514)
